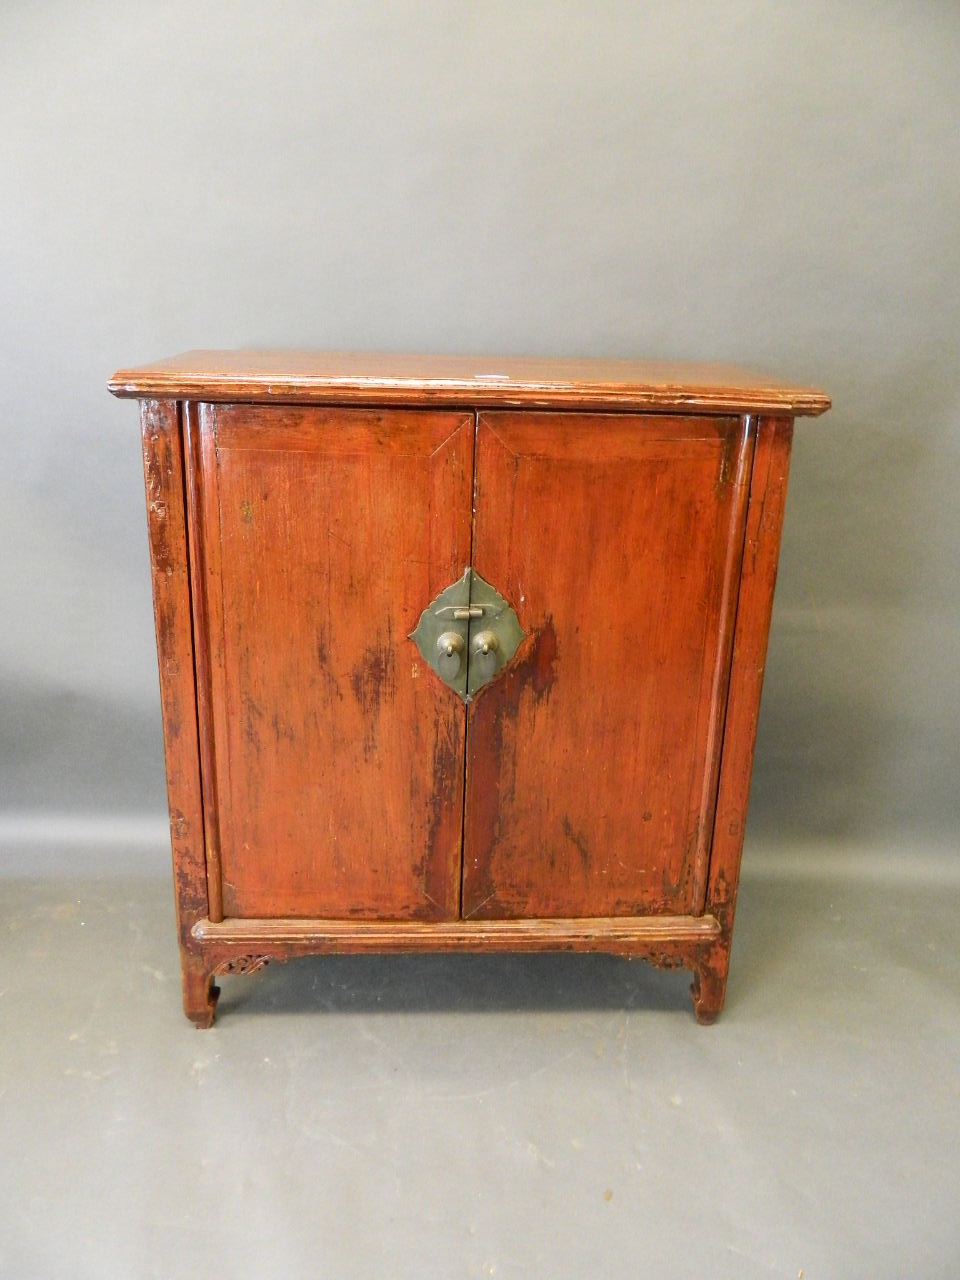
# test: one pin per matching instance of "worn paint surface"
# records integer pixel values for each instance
(163, 470)
(333, 760)
(768, 493)
(338, 776)
(591, 763)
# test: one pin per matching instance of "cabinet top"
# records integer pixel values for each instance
(343, 377)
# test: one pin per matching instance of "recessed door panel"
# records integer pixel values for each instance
(592, 756)
(334, 761)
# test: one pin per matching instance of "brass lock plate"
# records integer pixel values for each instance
(468, 634)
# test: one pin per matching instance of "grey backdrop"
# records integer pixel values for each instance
(773, 184)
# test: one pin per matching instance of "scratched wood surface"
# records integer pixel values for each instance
(163, 471)
(591, 761)
(472, 381)
(304, 508)
(768, 493)
(337, 757)
(624, 934)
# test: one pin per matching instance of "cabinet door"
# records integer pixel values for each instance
(592, 758)
(332, 757)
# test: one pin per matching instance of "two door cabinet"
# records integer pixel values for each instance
(459, 654)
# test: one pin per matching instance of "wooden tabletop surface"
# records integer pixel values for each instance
(506, 381)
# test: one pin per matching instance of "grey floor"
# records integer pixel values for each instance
(475, 1116)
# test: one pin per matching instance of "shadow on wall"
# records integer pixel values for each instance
(857, 730)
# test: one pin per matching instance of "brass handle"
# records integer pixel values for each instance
(485, 642)
(450, 654)
(485, 654)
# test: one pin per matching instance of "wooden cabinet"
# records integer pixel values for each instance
(459, 655)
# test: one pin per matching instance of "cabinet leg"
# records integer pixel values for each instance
(709, 986)
(199, 993)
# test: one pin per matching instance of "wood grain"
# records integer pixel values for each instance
(166, 527)
(470, 381)
(336, 754)
(208, 650)
(306, 936)
(592, 759)
(302, 511)
(768, 493)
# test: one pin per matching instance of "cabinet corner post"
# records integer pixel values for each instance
(768, 490)
(163, 469)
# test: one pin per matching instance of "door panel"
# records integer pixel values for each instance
(592, 758)
(335, 757)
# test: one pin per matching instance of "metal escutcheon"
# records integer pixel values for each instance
(468, 634)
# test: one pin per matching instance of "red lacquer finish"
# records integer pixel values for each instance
(352, 377)
(592, 761)
(337, 759)
(328, 791)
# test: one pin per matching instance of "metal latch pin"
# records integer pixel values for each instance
(460, 612)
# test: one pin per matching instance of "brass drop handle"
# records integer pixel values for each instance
(485, 642)
(485, 652)
(450, 654)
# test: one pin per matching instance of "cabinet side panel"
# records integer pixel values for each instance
(759, 574)
(166, 525)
